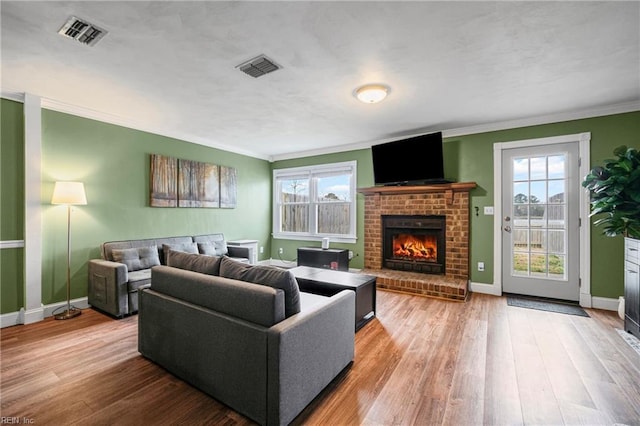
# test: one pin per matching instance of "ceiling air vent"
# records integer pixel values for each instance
(259, 66)
(82, 31)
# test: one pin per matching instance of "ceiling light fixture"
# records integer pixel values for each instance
(371, 93)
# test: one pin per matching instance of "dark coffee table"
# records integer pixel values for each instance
(327, 282)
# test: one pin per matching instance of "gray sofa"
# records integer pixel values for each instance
(125, 267)
(247, 336)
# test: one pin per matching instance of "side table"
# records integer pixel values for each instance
(252, 245)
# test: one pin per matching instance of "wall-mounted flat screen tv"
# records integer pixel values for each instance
(413, 161)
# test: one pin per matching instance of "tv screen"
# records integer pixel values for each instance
(416, 160)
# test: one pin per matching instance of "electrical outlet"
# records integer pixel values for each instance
(261, 249)
(481, 266)
(350, 255)
(280, 250)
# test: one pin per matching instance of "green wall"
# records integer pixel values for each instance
(11, 205)
(469, 158)
(113, 163)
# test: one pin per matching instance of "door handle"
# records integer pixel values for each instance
(507, 228)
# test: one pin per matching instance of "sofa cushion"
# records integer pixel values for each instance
(137, 258)
(265, 275)
(255, 303)
(107, 248)
(138, 279)
(194, 262)
(214, 248)
(183, 247)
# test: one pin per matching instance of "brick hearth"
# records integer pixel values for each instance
(450, 200)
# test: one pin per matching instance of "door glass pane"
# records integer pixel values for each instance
(538, 240)
(538, 168)
(556, 241)
(520, 263)
(539, 265)
(521, 192)
(521, 239)
(557, 166)
(538, 192)
(538, 235)
(520, 169)
(520, 214)
(557, 266)
(556, 191)
(556, 216)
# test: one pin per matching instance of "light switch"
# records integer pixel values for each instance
(488, 210)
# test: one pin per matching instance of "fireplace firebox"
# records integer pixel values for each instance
(414, 243)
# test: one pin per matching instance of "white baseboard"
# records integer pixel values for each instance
(12, 318)
(35, 315)
(605, 303)
(32, 315)
(483, 288)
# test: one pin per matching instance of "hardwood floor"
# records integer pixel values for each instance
(421, 361)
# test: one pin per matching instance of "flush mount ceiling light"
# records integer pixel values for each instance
(371, 93)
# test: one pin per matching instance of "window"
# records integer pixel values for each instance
(315, 202)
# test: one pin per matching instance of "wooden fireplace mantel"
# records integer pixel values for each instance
(447, 188)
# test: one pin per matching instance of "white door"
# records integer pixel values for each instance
(540, 221)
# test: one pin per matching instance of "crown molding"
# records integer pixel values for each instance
(118, 120)
(132, 124)
(12, 96)
(481, 128)
(461, 131)
(544, 119)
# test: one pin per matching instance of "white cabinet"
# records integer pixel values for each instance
(632, 286)
(252, 245)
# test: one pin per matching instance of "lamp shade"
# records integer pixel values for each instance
(69, 193)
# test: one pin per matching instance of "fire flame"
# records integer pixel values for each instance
(415, 247)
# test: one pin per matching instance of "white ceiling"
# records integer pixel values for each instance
(170, 67)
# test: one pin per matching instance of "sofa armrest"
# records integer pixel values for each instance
(108, 286)
(236, 251)
(306, 352)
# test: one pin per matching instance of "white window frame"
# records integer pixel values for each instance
(312, 173)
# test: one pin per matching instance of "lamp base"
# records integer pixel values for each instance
(68, 314)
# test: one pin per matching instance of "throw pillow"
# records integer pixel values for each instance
(183, 247)
(215, 248)
(265, 275)
(137, 258)
(194, 262)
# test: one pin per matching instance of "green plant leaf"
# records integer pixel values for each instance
(614, 190)
(620, 151)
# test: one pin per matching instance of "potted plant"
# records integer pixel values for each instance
(615, 197)
(615, 193)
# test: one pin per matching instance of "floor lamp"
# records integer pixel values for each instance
(69, 194)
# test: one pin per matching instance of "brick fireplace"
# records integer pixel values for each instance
(425, 203)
